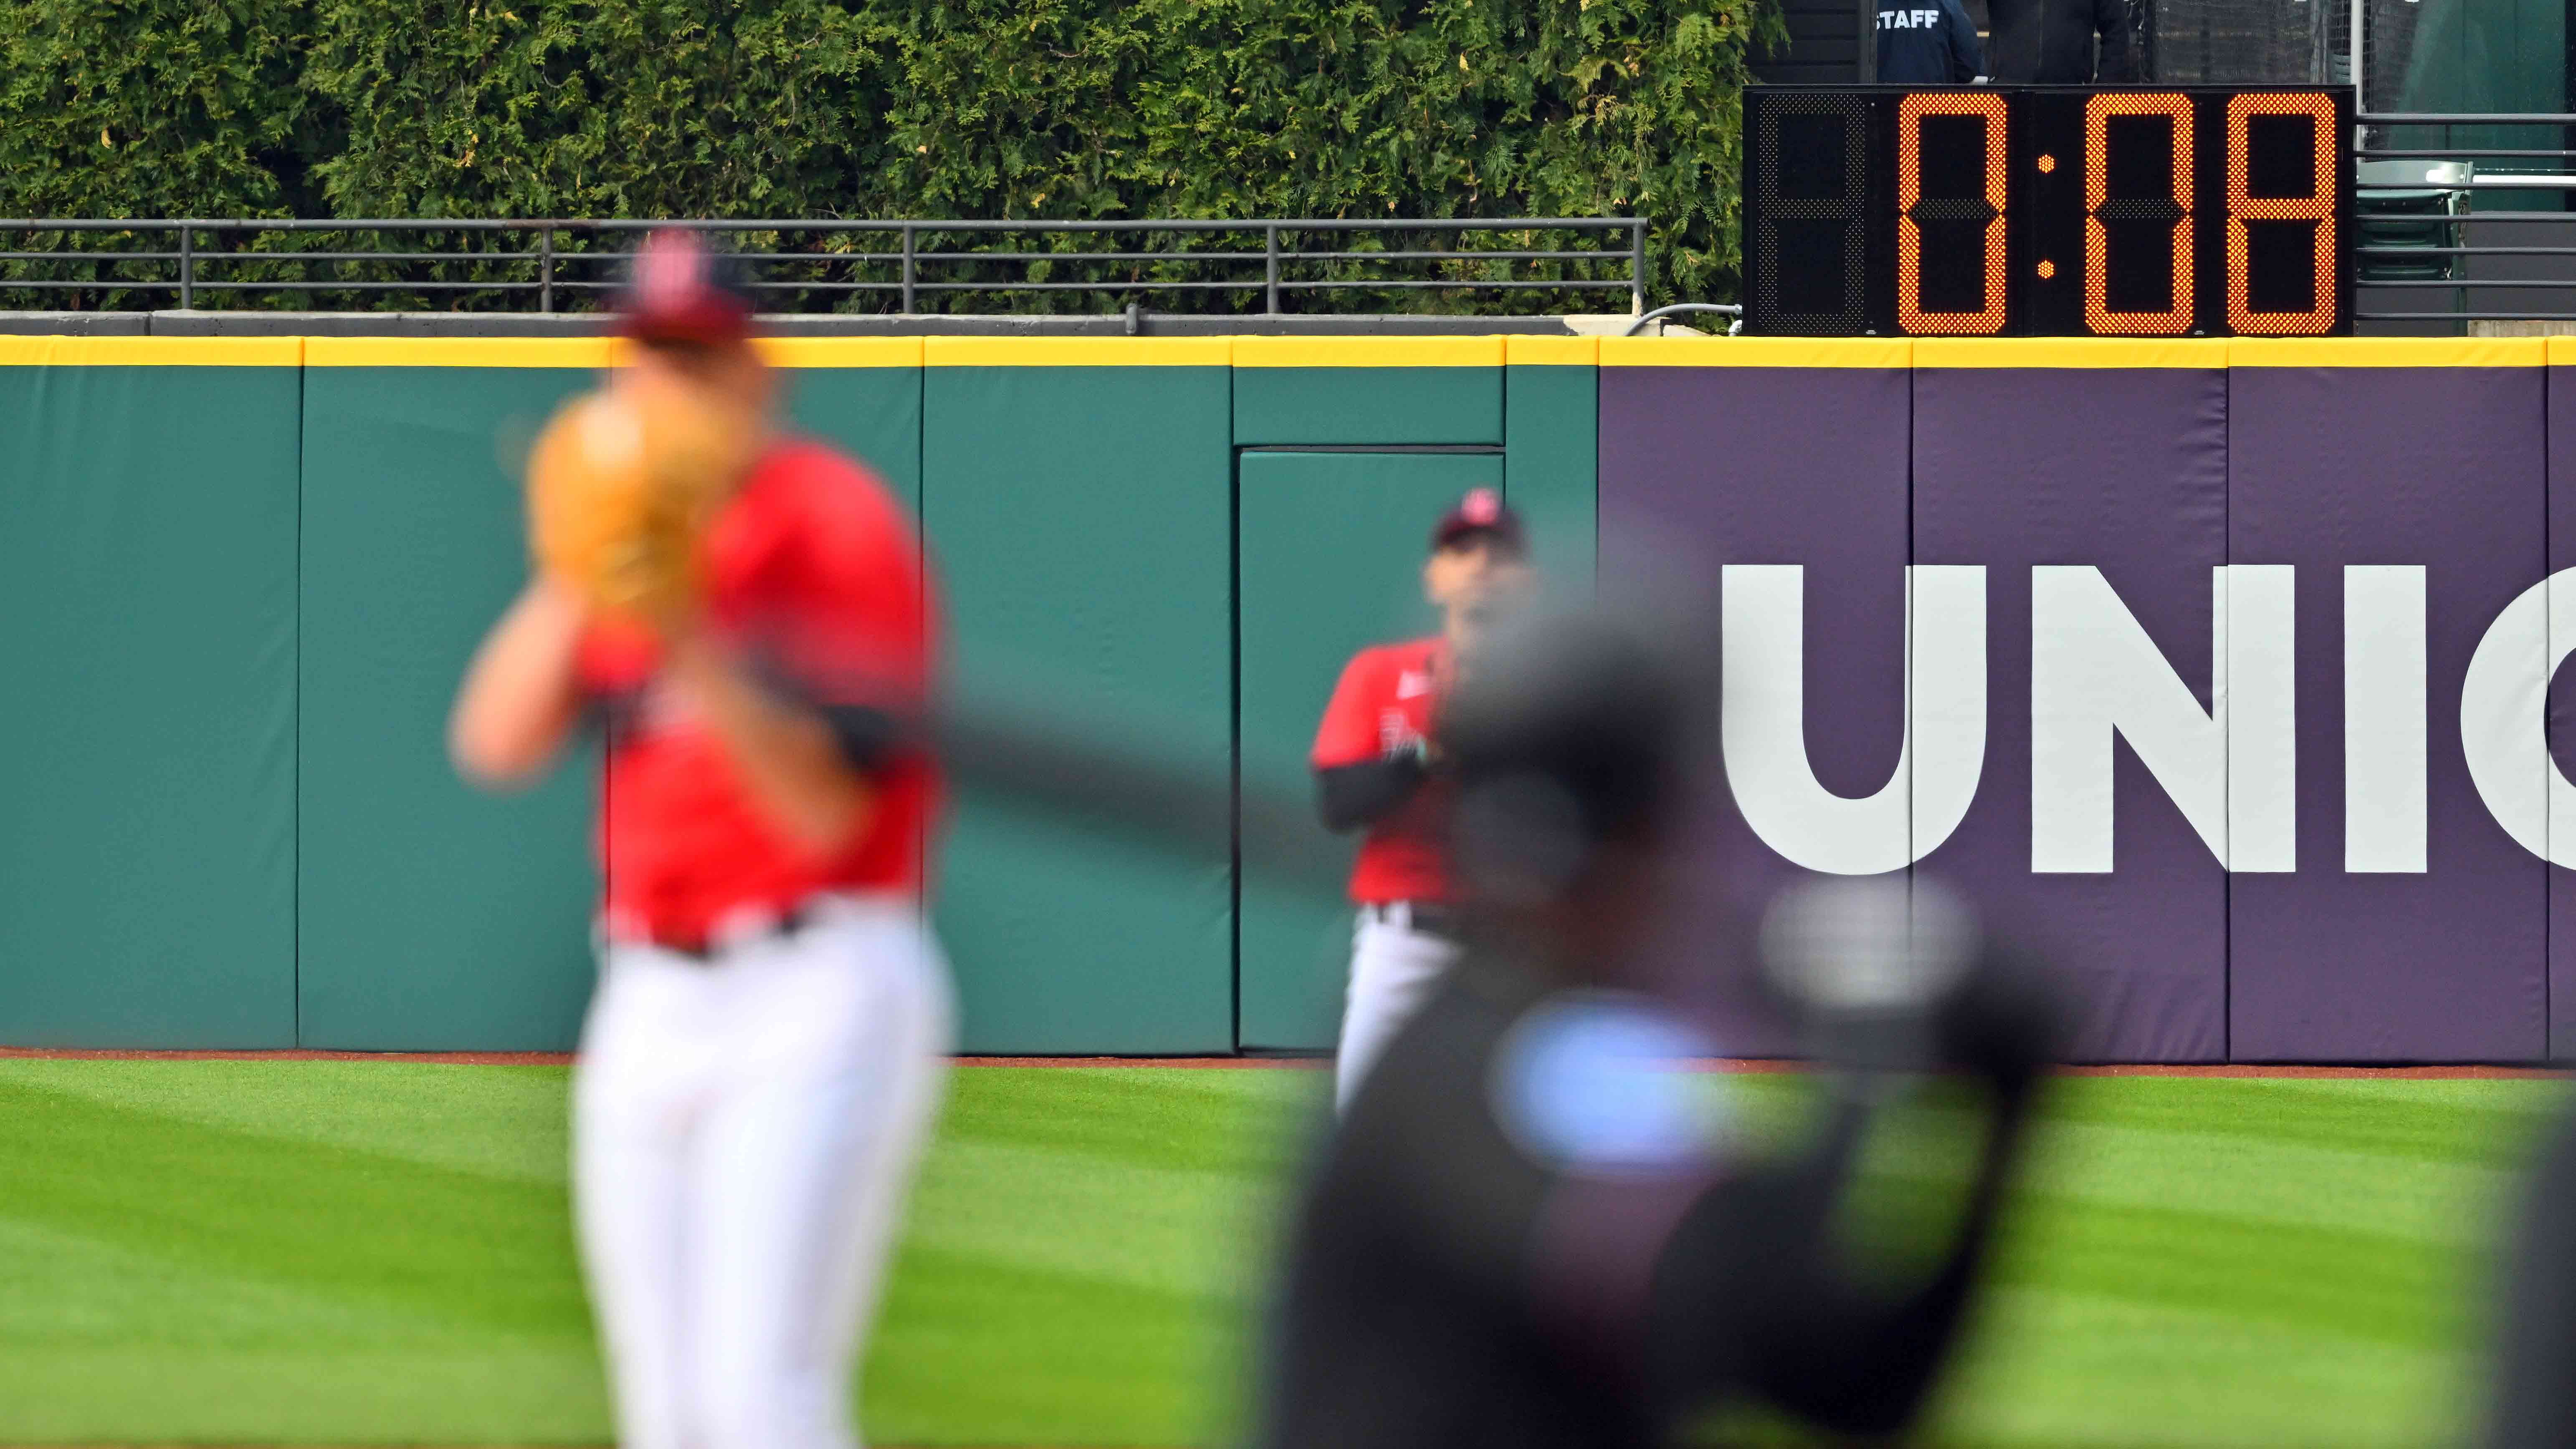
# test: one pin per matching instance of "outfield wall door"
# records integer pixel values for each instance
(1329, 551)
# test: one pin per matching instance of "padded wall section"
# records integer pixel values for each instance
(433, 917)
(1698, 474)
(2121, 470)
(1082, 517)
(1552, 454)
(147, 577)
(2561, 702)
(1329, 561)
(2361, 954)
(872, 412)
(1375, 391)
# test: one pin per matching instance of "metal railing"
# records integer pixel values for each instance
(1734, 310)
(2433, 247)
(816, 266)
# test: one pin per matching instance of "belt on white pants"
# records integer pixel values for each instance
(1433, 918)
(740, 927)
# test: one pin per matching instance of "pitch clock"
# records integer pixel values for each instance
(2048, 211)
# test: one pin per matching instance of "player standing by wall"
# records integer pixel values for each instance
(1375, 766)
(1529, 1232)
(746, 612)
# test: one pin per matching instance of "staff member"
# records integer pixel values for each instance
(2061, 42)
(1375, 769)
(1928, 43)
(1521, 1236)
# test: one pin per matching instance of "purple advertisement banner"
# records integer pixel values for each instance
(1842, 513)
(2123, 471)
(2409, 541)
(2218, 672)
(2560, 984)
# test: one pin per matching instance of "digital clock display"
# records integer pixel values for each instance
(2047, 211)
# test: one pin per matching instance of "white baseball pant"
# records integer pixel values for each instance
(1394, 967)
(745, 1129)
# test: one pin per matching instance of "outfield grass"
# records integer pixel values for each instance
(330, 1252)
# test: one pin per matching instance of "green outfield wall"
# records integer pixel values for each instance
(243, 575)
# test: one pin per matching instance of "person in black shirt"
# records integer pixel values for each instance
(2060, 42)
(1519, 1237)
(1928, 43)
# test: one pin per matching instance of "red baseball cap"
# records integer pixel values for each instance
(680, 289)
(1480, 512)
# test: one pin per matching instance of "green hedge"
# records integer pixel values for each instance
(889, 108)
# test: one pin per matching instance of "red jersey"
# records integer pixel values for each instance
(1383, 704)
(816, 577)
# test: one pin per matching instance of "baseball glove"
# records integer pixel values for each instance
(622, 485)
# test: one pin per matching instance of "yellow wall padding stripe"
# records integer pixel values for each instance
(1522, 351)
(589, 352)
(2070, 352)
(1077, 351)
(1368, 351)
(842, 351)
(2387, 351)
(2045, 352)
(460, 351)
(1757, 351)
(151, 351)
(827, 352)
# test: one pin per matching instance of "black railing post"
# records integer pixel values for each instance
(1270, 269)
(546, 268)
(187, 267)
(907, 269)
(1637, 267)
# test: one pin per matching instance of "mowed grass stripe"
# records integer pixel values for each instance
(2056, 1370)
(507, 1392)
(2224, 1262)
(1159, 1228)
(1081, 1248)
(63, 1290)
(2487, 1123)
(498, 1120)
(490, 1250)
(1140, 1117)
(977, 1352)
(2333, 1283)
(2271, 1180)
(2341, 1213)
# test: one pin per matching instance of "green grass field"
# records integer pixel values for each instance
(357, 1252)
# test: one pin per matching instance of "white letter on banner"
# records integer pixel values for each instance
(2257, 691)
(1937, 764)
(1945, 694)
(2094, 673)
(2504, 718)
(2383, 718)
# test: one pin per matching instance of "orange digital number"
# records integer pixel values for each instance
(2318, 206)
(1910, 316)
(2098, 111)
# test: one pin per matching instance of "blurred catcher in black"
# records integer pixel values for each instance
(2535, 1402)
(1523, 1232)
